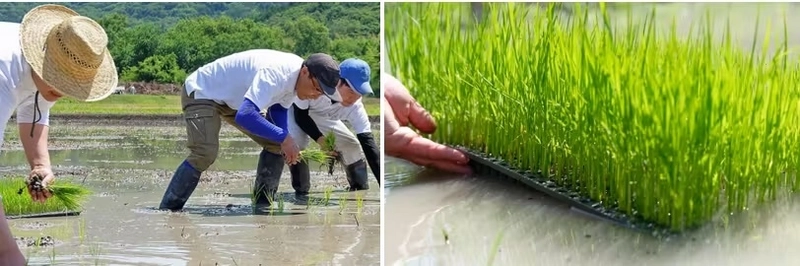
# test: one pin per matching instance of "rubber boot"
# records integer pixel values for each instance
(180, 188)
(301, 181)
(357, 176)
(268, 177)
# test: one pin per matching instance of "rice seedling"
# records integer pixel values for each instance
(314, 155)
(330, 146)
(342, 204)
(667, 128)
(67, 197)
(327, 193)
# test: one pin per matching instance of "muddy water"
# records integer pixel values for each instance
(128, 169)
(439, 219)
(436, 219)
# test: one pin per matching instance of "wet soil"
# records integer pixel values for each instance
(128, 167)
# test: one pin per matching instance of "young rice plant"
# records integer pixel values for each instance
(670, 129)
(16, 200)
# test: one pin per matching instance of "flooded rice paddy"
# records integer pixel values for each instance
(128, 165)
(440, 219)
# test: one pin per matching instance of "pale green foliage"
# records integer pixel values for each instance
(666, 128)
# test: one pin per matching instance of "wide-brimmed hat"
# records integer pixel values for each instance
(69, 52)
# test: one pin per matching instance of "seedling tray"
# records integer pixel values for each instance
(487, 165)
(44, 215)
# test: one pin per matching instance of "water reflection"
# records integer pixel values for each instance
(472, 220)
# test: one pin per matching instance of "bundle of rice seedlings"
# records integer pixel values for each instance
(314, 155)
(330, 145)
(67, 197)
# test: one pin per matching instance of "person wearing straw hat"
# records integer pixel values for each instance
(309, 118)
(54, 52)
(235, 88)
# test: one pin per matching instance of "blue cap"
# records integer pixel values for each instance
(356, 72)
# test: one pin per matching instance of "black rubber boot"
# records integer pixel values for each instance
(301, 181)
(268, 177)
(357, 176)
(180, 188)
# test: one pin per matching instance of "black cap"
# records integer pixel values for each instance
(326, 70)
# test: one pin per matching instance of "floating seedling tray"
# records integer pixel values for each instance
(488, 165)
(45, 215)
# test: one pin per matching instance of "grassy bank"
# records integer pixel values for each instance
(16, 203)
(133, 104)
(671, 129)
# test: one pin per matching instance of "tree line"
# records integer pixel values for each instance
(164, 42)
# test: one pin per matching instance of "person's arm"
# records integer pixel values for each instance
(264, 87)
(35, 145)
(249, 118)
(371, 153)
(358, 118)
(306, 123)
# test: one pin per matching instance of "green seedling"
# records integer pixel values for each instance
(621, 110)
(67, 196)
(314, 155)
(330, 145)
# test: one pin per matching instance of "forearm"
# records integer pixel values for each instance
(306, 123)
(279, 116)
(9, 252)
(36, 146)
(249, 118)
(370, 152)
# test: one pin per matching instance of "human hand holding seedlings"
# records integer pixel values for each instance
(291, 152)
(38, 182)
(402, 142)
(325, 146)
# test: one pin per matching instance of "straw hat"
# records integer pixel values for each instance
(69, 52)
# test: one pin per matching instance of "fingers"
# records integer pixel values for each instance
(406, 109)
(447, 166)
(421, 119)
(436, 151)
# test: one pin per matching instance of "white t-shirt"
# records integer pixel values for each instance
(322, 107)
(263, 76)
(16, 84)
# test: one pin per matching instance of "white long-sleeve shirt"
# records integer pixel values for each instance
(17, 89)
(322, 107)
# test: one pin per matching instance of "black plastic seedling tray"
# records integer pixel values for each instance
(487, 165)
(44, 215)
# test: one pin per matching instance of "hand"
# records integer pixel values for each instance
(402, 142)
(290, 151)
(38, 182)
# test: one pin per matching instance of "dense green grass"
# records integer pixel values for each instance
(66, 197)
(133, 104)
(126, 104)
(671, 129)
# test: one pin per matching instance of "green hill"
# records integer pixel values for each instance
(163, 42)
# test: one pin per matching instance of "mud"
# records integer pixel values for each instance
(43, 241)
(128, 168)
